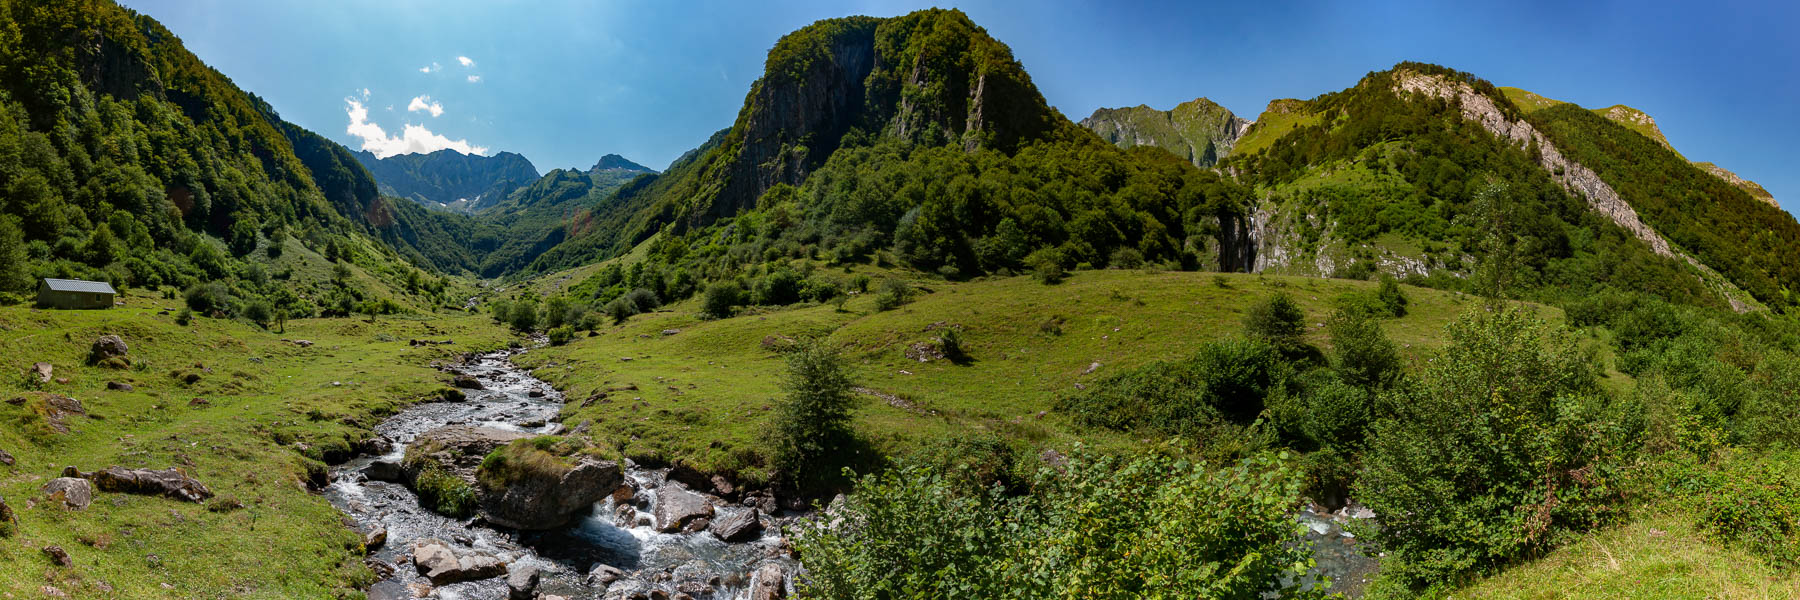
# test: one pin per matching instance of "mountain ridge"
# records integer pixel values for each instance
(1198, 130)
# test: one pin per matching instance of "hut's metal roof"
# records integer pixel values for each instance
(76, 285)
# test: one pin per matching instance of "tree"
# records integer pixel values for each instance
(259, 312)
(103, 247)
(523, 316)
(1278, 321)
(812, 424)
(14, 274)
(1361, 352)
(720, 297)
(1391, 297)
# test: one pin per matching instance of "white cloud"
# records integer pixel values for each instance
(365, 92)
(474, 79)
(414, 138)
(466, 61)
(431, 67)
(426, 104)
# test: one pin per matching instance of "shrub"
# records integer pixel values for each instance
(620, 309)
(523, 316)
(860, 283)
(950, 341)
(1391, 297)
(501, 310)
(720, 298)
(444, 492)
(184, 316)
(260, 313)
(561, 335)
(1278, 321)
(812, 424)
(1126, 258)
(208, 298)
(1500, 450)
(1361, 352)
(780, 287)
(1225, 381)
(894, 294)
(1146, 526)
(1046, 265)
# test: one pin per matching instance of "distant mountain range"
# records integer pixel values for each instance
(449, 179)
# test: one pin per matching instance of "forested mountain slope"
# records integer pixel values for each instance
(1198, 130)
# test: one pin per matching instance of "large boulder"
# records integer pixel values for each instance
(521, 582)
(72, 492)
(676, 507)
(167, 482)
(384, 470)
(770, 583)
(470, 441)
(551, 500)
(742, 526)
(108, 346)
(443, 565)
(469, 382)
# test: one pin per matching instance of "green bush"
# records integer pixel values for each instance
(1278, 321)
(894, 294)
(1046, 265)
(950, 341)
(1361, 352)
(779, 288)
(1224, 382)
(561, 335)
(1391, 297)
(445, 493)
(1146, 526)
(523, 316)
(209, 298)
(720, 298)
(812, 423)
(1502, 449)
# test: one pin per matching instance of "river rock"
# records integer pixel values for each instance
(73, 493)
(108, 346)
(375, 538)
(675, 507)
(167, 482)
(740, 527)
(770, 583)
(545, 501)
(469, 440)
(521, 582)
(384, 470)
(604, 575)
(440, 563)
(469, 382)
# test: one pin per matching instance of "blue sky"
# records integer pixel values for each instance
(564, 82)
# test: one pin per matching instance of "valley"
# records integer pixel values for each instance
(901, 329)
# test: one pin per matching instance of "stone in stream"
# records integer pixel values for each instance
(551, 500)
(375, 539)
(740, 527)
(521, 582)
(71, 492)
(469, 382)
(676, 507)
(469, 440)
(770, 584)
(167, 482)
(441, 564)
(604, 575)
(384, 470)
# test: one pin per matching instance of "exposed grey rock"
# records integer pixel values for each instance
(521, 582)
(549, 502)
(469, 382)
(375, 539)
(675, 507)
(740, 527)
(108, 346)
(58, 556)
(72, 492)
(604, 575)
(443, 565)
(384, 470)
(6, 459)
(118, 386)
(167, 482)
(470, 440)
(770, 583)
(42, 371)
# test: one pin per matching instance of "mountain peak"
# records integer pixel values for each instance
(1199, 130)
(614, 162)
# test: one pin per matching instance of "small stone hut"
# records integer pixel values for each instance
(74, 293)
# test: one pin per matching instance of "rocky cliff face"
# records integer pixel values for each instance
(1198, 130)
(1572, 175)
(932, 77)
(450, 179)
(1754, 189)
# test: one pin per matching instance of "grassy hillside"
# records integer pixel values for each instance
(703, 394)
(252, 426)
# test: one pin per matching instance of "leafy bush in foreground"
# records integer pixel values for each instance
(1149, 526)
